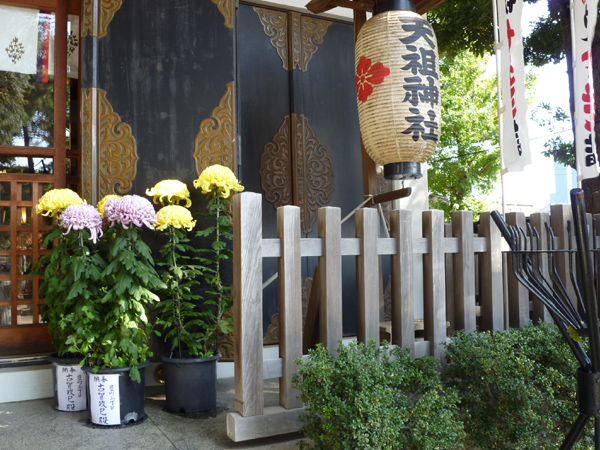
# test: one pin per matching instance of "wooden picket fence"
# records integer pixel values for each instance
(457, 270)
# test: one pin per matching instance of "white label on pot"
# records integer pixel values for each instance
(71, 388)
(104, 399)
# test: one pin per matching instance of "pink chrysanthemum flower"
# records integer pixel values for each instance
(78, 217)
(130, 210)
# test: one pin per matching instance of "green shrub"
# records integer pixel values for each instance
(517, 388)
(376, 398)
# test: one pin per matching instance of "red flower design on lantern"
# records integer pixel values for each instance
(367, 75)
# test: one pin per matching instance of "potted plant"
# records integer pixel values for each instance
(112, 331)
(190, 326)
(70, 393)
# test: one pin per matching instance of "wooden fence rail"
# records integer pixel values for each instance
(477, 275)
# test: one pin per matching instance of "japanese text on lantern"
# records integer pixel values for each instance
(421, 88)
(510, 32)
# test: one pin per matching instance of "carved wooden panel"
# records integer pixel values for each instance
(97, 14)
(215, 142)
(312, 35)
(272, 335)
(113, 169)
(117, 151)
(314, 171)
(276, 167)
(306, 34)
(275, 25)
(312, 183)
(227, 9)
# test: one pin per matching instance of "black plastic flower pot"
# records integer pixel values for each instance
(114, 398)
(70, 383)
(190, 384)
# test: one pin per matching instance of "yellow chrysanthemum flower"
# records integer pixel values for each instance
(173, 191)
(54, 201)
(220, 177)
(176, 216)
(101, 203)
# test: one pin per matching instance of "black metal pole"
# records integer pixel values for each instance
(587, 277)
(574, 432)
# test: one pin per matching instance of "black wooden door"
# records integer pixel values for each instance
(299, 127)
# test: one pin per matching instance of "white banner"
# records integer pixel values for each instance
(18, 39)
(585, 13)
(515, 137)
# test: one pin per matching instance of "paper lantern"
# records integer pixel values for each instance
(398, 89)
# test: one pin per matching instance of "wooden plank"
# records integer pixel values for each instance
(275, 421)
(539, 221)
(290, 302)
(247, 303)
(450, 285)
(434, 285)
(272, 368)
(367, 275)
(464, 271)
(518, 295)
(388, 197)
(403, 307)
(490, 269)
(60, 96)
(559, 216)
(330, 266)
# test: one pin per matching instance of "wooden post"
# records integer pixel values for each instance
(450, 285)
(367, 275)
(330, 268)
(290, 301)
(559, 216)
(403, 306)
(464, 271)
(490, 268)
(518, 295)
(247, 303)
(539, 221)
(434, 289)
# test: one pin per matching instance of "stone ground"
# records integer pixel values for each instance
(34, 425)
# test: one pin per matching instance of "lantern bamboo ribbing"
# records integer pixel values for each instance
(398, 91)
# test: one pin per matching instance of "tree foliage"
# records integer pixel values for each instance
(467, 162)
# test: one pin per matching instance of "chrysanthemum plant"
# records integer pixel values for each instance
(179, 320)
(218, 182)
(55, 267)
(113, 332)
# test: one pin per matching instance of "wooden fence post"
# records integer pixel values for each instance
(434, 289)
(367, 275)
(403, 303)
(464, 271)
(490, 269)
(518, 295)
(539, 221)
(330, 267)
(247, 305)
(290, 301)
(559, 216)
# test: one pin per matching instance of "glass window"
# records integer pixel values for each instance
(5, 314)
(5, 287)
(27, 77)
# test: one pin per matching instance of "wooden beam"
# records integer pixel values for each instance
(275, 421)
(321, 6)
(388, 197)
